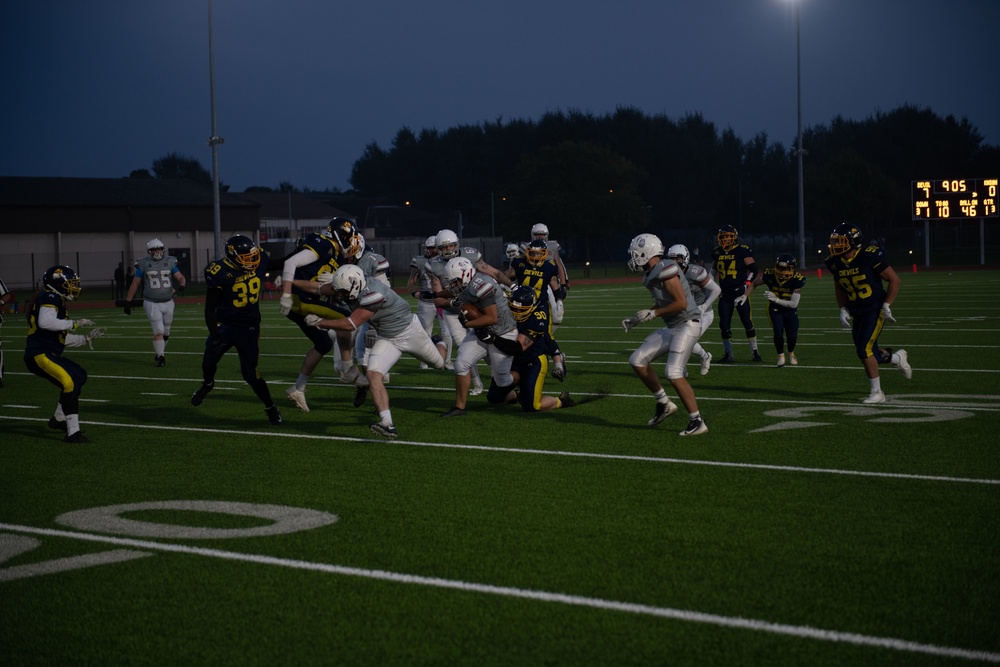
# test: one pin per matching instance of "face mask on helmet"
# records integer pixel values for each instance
(348, 281)
(536, 253)
(458, 274)
(643, 248)
(430, 247)
(844, 237)
(243, 252)
(512, 251)
(784, 267)
(156, 249)
(447, 244)
(540, 231)
(679, 253)
(727, 236)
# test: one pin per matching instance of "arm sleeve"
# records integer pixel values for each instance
(48, 319)
(790, 303)
(301, 258)
(713, 291)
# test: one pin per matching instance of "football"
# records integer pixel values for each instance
(470, 311)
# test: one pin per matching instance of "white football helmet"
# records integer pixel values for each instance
(447, 243)
(680, 254)
(156, 249)
(512, 250)
(458, 274)
(539, 231)
(430, 246)
(643, 248)
(348, 281)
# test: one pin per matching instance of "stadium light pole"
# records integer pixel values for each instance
(214, 142)
(798, 150)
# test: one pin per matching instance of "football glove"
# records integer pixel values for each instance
(83, 322)
(484, 334)
(285, 304)
(887, 313)
(770, 296)
(740, 300)
(559, 371)
(644, 315)
(128, 308)
(92, 334)
(845, 318)
(312, 320)
(425, 295)
(180, 288)
(629, 323)
(277, 282)
(456, 302)
(324, 278)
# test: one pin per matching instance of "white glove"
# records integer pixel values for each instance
(285, 304)
(770, 296)
(845, 318)
(313, 320)
(324, 278)
(278, 281)
(704, 308)
(644, 315)
(628, 323)
(92, 334)
(886, 313)
(83, 322)
(740, 300)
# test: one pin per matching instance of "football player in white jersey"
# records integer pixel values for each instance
(427, 312)
(160, 279)
(704, 290)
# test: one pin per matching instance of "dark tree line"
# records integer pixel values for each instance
(610, 176)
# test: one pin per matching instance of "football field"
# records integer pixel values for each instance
(803, 529)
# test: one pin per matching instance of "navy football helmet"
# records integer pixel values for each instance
(62, 280)
(522, 302)
(243, 252)
(727, 236)
(845, 237)
(784, 266)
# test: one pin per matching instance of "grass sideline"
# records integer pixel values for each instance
(804, 528)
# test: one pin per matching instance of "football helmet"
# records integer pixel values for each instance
(512, 250)
(643, 248)
(727, 236)
(430, 247)
(447, 243)
(784, 266)
(62, 280)
(844, 237)
(537, 252)
(348, 237)
(348, 281)
(680, 254)
(539, 231)
(522, 302)
(243, 252)
(458, 273)
(156, 249)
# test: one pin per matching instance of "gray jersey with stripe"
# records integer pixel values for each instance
(666, 269)
(435, 267)
(391, 312)
(482, 291)
(157, 277)
(695, 275)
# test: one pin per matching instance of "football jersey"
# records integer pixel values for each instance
(156, 277)
(374, 265)
(667, 269)
(41, 340)
(860, 277)
(731, 269)
(325, 262)
(695, 275)
(536, 327)
(782, 290)
(390, 312)
(435, 267)
(240, 301)
(417, 264)
(482, 291)
(535, 277)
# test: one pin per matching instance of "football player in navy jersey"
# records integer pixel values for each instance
(783, 291)
(864, 302)
(735, 271)
(49, 333)
(530, 364)
(232, 314)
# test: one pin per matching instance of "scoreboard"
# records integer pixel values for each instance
(955, 199)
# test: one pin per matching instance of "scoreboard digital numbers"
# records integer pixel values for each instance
(955, 199)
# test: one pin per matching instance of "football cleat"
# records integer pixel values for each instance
(781, 360)
(566, 401)
(57, 425)
(904, 364)
(663, 410)
(792, 360)
(756, 356)
(78, 437)
(385, 430)
(727, 359)
(706, 363)
(273, 415)
(874, 397)
(360, 394)
(695, 427)
(159, 361)
(201, 392)
(477, 387)
(298, 398)
(454, 412)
